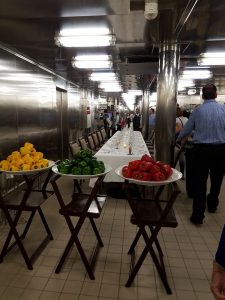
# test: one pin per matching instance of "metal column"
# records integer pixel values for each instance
(166, 102)
(145, 114)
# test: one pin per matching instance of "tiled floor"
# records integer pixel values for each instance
(188, 252)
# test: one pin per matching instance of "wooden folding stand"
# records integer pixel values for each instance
(30, 199)
(153, 214)
(82, 206)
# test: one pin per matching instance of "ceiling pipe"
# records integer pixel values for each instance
(184, 17)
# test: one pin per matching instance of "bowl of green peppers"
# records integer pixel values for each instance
(83, 165)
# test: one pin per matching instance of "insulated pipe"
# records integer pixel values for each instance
(166, 102)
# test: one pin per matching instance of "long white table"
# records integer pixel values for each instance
(115, 152)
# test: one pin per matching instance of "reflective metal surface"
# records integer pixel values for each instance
(30, 109)
(197, 25)
(166, 103)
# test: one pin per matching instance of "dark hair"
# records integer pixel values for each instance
(179, 112)
(209, 91)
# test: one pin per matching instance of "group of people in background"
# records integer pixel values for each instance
(117, 121)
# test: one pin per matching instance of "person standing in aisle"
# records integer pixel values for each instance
(151, 122)
(117, 122)
(218, 273)
(180, 122)
(137, 121)
(128, 120)
(207, 122)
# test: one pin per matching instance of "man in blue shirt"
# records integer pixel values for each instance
(207, 123)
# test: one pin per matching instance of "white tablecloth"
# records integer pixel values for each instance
(115, 152)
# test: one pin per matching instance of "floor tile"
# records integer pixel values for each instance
(188, 256)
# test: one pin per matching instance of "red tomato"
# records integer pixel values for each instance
(145, 166)
(137, 175)
(134, 165)
(167, 170)
(158, 176)
(147, 157)
(155, 168)
(146, 176)
(126, 172)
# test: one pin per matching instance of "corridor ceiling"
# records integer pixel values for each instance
(196, 25)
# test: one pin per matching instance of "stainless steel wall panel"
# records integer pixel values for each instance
(29, 110)
(74, 114)
(27, 106)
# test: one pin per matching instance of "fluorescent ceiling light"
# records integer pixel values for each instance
(85, 31)
(212, 59)
(86, 41)
(182, 84)
(191, 92)
(135, 92)
(196, 74)
(85, 37)
(102, 61)
(116, 90)
(108, 85)
(103, 76)
(102, 57)
(95, 64)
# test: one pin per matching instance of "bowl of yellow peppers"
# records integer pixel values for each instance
(24, 160)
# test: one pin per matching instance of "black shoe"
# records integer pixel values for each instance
(195, 221)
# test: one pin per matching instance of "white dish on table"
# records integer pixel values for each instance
(29, 172)
(107, 170)
(176, 175)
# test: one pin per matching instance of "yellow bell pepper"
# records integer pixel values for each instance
(24, 150)
(16, 155)
(39, 154)
(25, 167)
(28, 145)
(4, 165)
(13, 168)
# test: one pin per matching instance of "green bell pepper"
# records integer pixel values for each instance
(82, 164)
(96, 171)
(76, 171)
(86, 170)
(64, 168)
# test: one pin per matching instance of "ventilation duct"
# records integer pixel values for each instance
(151, 9)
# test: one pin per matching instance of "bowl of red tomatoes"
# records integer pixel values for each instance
(148, 171)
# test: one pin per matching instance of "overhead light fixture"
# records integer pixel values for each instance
(211, 59)
(196, 74)
(85, 37)
(113, 89)
(98, 61)
(94, 64)
(106, 85)
(191, 92)
(103, 76)
(135, 92)
(183, 84)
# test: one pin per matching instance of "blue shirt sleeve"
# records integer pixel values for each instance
(220, 253)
